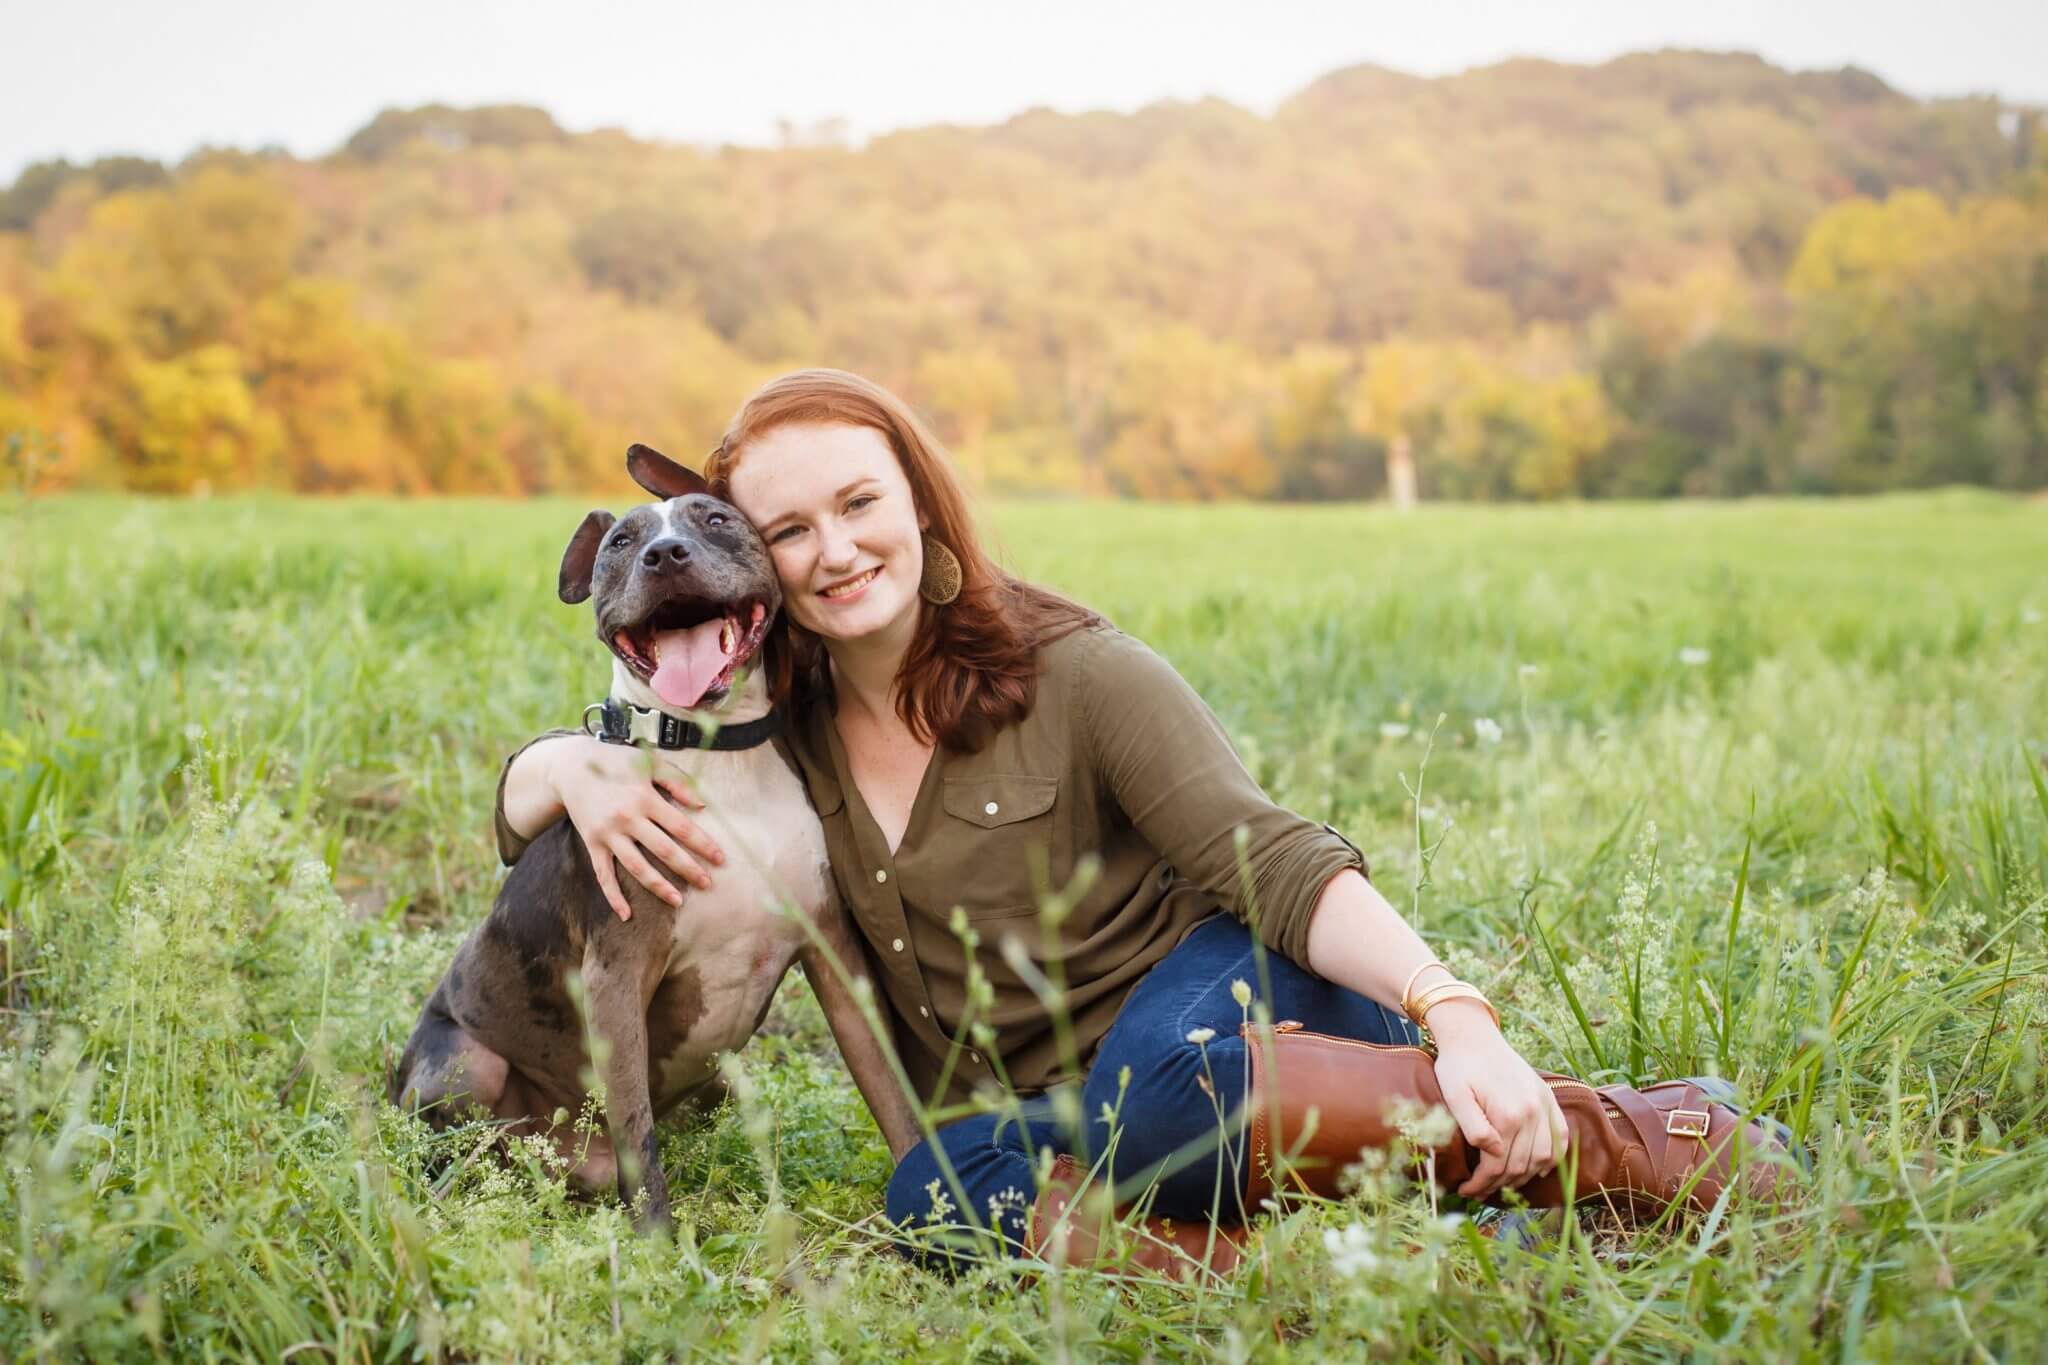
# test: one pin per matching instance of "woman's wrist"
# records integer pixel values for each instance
(1460, 1020)
(533, 787)
(551, 757)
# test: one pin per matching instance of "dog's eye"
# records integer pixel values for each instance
(715, 519)
(619, 541)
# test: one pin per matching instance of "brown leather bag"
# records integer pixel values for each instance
(1320, 1100)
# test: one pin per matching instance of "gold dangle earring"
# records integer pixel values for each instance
(942, 576)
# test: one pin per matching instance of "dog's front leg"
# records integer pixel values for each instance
(831, 966)
(618, 1015)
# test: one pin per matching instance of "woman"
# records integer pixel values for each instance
(972, 740)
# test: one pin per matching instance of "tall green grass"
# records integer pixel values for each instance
(1753, 789)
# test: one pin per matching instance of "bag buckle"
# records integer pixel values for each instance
(1690, 1123)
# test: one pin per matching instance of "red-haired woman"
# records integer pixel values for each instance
(970, 740)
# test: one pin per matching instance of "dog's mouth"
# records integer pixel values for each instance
(689, 648)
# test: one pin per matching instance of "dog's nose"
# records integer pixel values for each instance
(671, 551)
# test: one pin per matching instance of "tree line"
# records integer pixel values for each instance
(1674, 273)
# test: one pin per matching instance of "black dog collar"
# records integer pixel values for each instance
(624, 723)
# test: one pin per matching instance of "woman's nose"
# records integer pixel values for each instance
(835, 547)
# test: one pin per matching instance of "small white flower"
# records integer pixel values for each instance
(1692, 656)
(1241, 992)
(1486, 730)
(1393, 729)
(1428, 1129)
(1530, 670)
(1199, 1036)
(942, 1205)
(1351, 1253)
(2030, 617)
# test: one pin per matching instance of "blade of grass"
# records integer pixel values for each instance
(1728, 1009)
(1564, 984)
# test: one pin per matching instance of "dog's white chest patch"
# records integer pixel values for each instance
(736, 941)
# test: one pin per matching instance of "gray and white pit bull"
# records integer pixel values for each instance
(684, 593)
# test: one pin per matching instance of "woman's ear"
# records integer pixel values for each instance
(660, 475)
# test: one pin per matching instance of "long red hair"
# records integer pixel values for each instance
(973, 665)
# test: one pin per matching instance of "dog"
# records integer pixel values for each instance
(684, 593)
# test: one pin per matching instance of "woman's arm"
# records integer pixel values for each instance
(1359, 941)
(624, 807)
(1160, 752)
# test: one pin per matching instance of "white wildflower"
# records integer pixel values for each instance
(1426, 1128)
(1692, 656)
(942, 1206)
(2030, 617)
(1351, 1253)
(1486, 730)
(1010, 1203)
(1241, 992)
(1199, 1036)
(1393, 729)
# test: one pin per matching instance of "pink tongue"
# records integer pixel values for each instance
(688, 661)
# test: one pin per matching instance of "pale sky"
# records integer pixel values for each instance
(84, 78)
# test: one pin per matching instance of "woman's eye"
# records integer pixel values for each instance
(784, 534)
(862, 501)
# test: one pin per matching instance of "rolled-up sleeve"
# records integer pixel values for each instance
(1160, 751)
(510, 844)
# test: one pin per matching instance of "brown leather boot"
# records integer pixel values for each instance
(1637, 1149)
(1067, 1223)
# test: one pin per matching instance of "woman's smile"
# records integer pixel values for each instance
(851, 588)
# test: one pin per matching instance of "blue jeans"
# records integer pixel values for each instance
(1180, 1130)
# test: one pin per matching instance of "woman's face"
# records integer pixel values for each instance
(838, 516)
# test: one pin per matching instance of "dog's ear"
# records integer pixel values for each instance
(581, 557)
(660, 475)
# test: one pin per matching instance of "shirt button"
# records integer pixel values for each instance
(989, 809)
(923, 1013)
(897, 945)
(881, 874)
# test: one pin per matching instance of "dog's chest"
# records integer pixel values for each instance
(731, 945)
(757, 813)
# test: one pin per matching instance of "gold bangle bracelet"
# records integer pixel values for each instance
(1452, 990)
(1408, 987)
(1415, 1006)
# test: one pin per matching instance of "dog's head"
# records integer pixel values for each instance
(684, 589)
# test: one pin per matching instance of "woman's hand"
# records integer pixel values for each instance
(627, 808)
(1501, 1105)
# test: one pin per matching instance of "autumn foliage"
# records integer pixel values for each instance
(1674, 273)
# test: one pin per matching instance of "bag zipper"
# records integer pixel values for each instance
(1295, 1026)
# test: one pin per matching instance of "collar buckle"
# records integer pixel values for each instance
(624, 723)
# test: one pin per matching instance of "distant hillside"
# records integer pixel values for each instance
(1675, 272)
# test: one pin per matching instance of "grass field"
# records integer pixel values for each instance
(247, 753)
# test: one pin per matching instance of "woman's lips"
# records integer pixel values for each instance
(851, 588)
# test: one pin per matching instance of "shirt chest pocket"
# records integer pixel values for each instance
(998, 827)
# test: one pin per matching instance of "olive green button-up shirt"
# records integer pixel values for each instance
(1119, 764)
(1117, 799)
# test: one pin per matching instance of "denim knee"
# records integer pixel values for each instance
(991, 1186)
